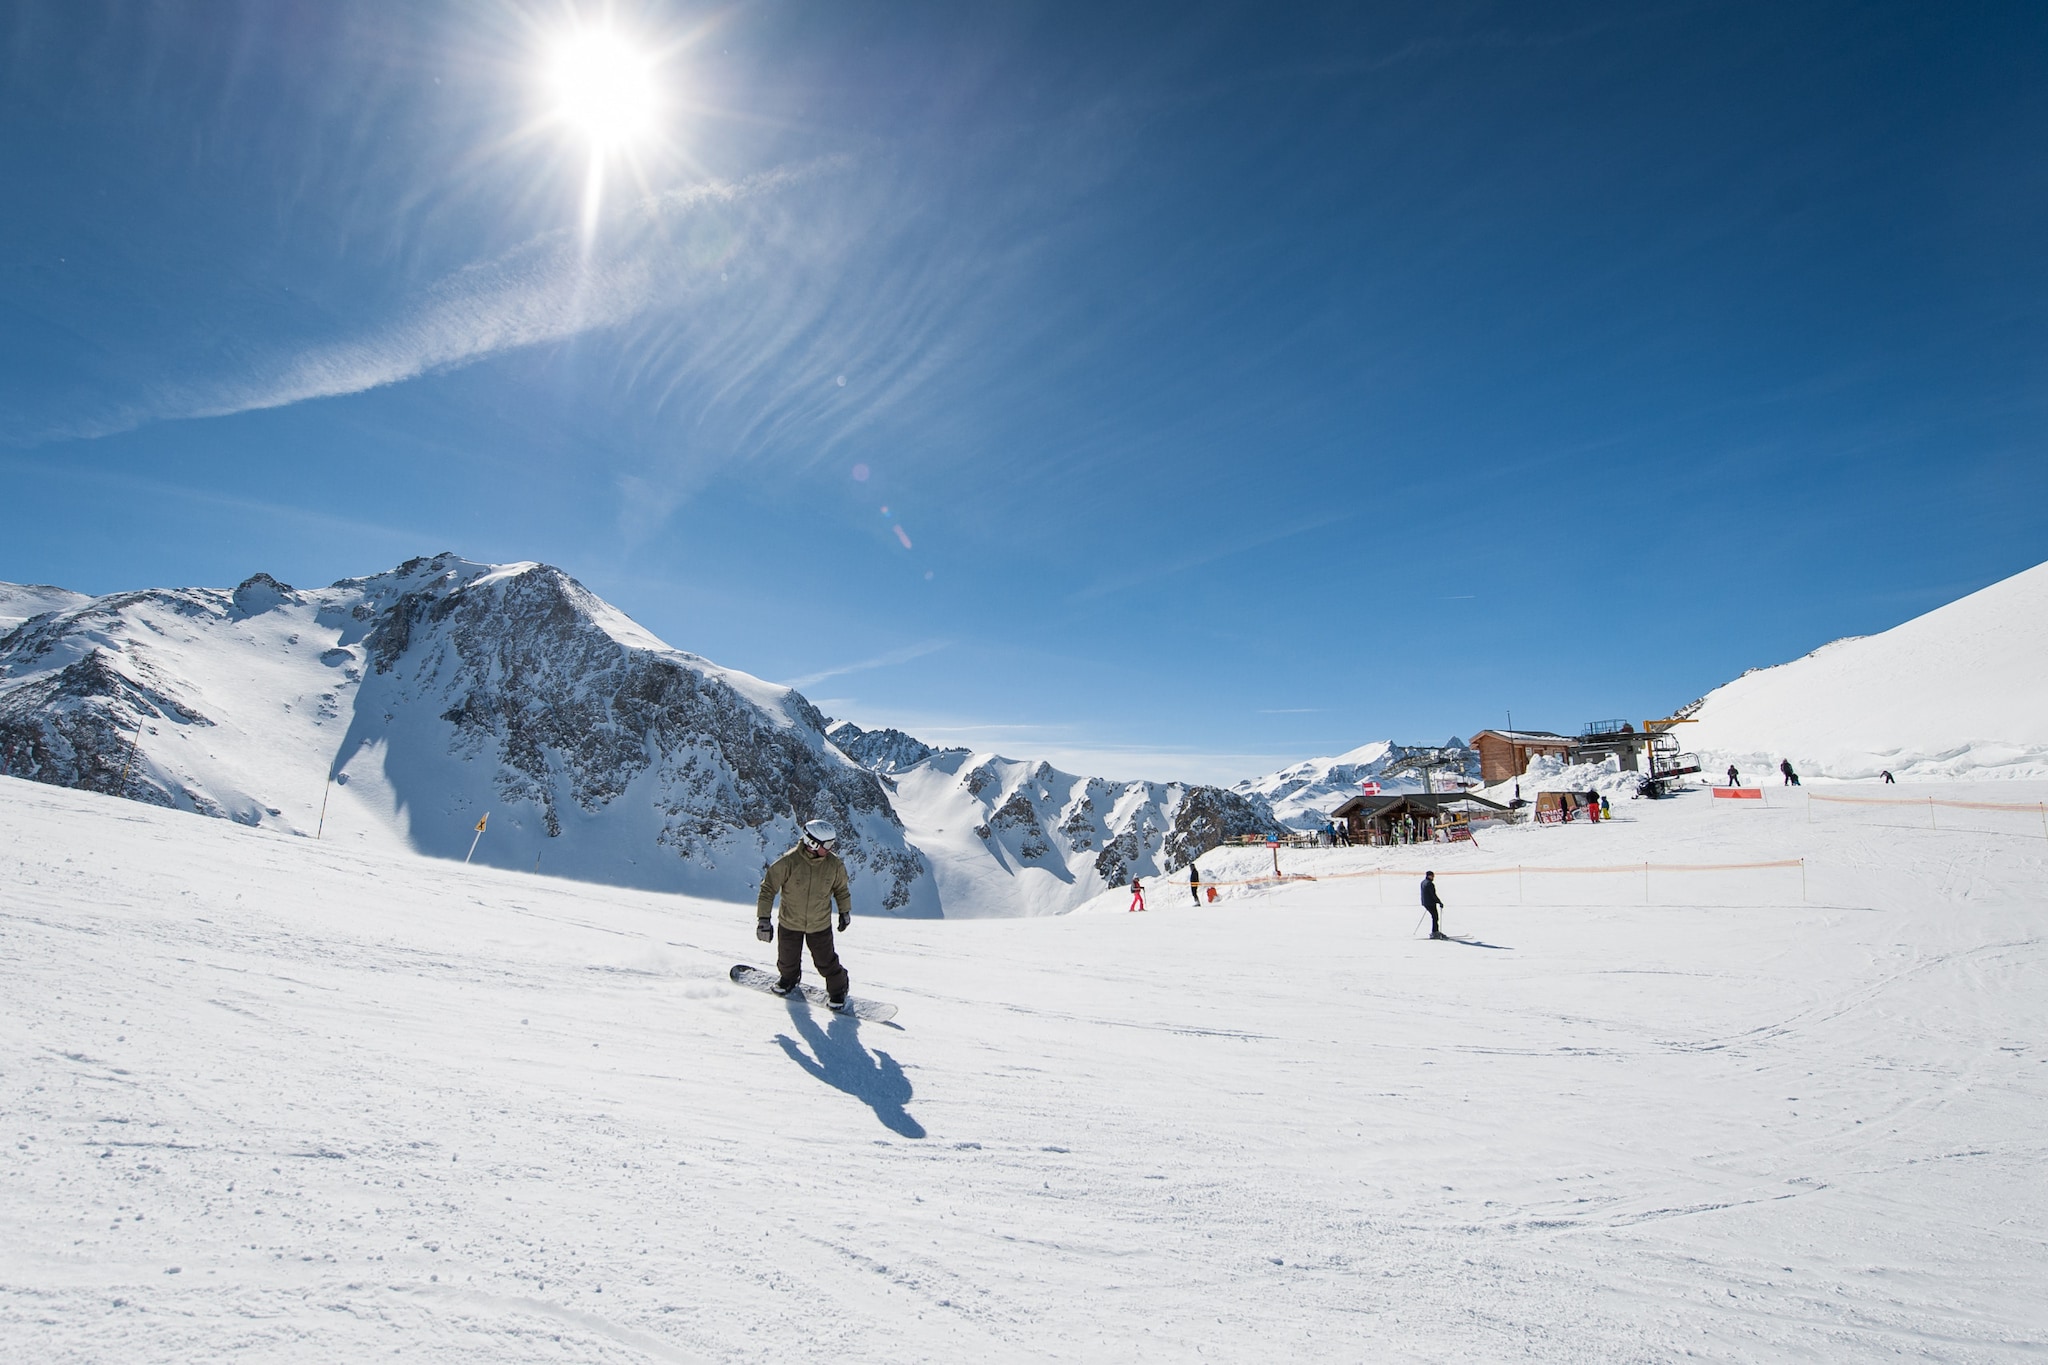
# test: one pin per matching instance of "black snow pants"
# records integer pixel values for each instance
(789, 959)
(1435, 925)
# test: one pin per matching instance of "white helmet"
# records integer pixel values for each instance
(820, 835)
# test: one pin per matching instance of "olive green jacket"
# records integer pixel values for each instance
(808, 887)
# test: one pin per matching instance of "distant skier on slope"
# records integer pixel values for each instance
(1195, 882)
(1432, 903)
(1137, 894)
(809, 879)
(1734, 778)
(1889, 780)
(1785, 767)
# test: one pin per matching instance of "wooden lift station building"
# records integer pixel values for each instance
(1505, 754)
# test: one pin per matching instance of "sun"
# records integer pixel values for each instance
(604, 88)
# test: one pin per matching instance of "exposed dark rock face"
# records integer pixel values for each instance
(572, 714)
(1018, 816)
(76, 728)
(1209, 817)
(881, 751)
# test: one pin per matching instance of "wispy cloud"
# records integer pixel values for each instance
(889, 660)
(549, 288)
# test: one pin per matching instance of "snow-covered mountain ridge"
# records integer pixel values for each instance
(1303, 794)
(881, 751)
(1057, 839)
(446, 691)
(433, 694)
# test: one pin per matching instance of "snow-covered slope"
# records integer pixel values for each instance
(19, 601)
(1960, 691)
(1303, 794)
(434, 694)
(267, 1099)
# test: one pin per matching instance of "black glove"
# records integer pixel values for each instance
(764, 931)
(845, 919)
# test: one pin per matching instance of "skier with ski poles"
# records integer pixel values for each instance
(1432, 903)
(809, 878)
(1137, 895)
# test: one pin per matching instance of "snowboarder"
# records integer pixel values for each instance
(809, 879)
(1195, 883)
(1432, 903)
(1137, 894)
(1734, 778)
(1888, 778)
(1785, 767)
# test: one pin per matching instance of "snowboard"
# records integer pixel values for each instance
(874, 1011)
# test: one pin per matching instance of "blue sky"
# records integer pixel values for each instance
(1244, 385)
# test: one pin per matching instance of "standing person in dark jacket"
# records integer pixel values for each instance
(1195, 882)
(1734, 778)
(809, 878)
(1432, 903)
(1785, 767)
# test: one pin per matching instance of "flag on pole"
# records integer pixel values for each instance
(1369, 788)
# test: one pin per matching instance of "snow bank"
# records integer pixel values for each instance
(1959, 692)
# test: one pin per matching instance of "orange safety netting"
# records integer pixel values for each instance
(1926, 801)
(1636, 868)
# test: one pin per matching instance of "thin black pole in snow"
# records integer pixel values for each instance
(134, 743)
(317, 829)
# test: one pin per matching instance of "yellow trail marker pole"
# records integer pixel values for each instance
(479, 834)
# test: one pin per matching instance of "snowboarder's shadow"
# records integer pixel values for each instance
(838, 1059)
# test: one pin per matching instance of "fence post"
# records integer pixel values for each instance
(1646, 883)
(1930, 814)
(1518, 884)
(2044, 819)
(1802, 881)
